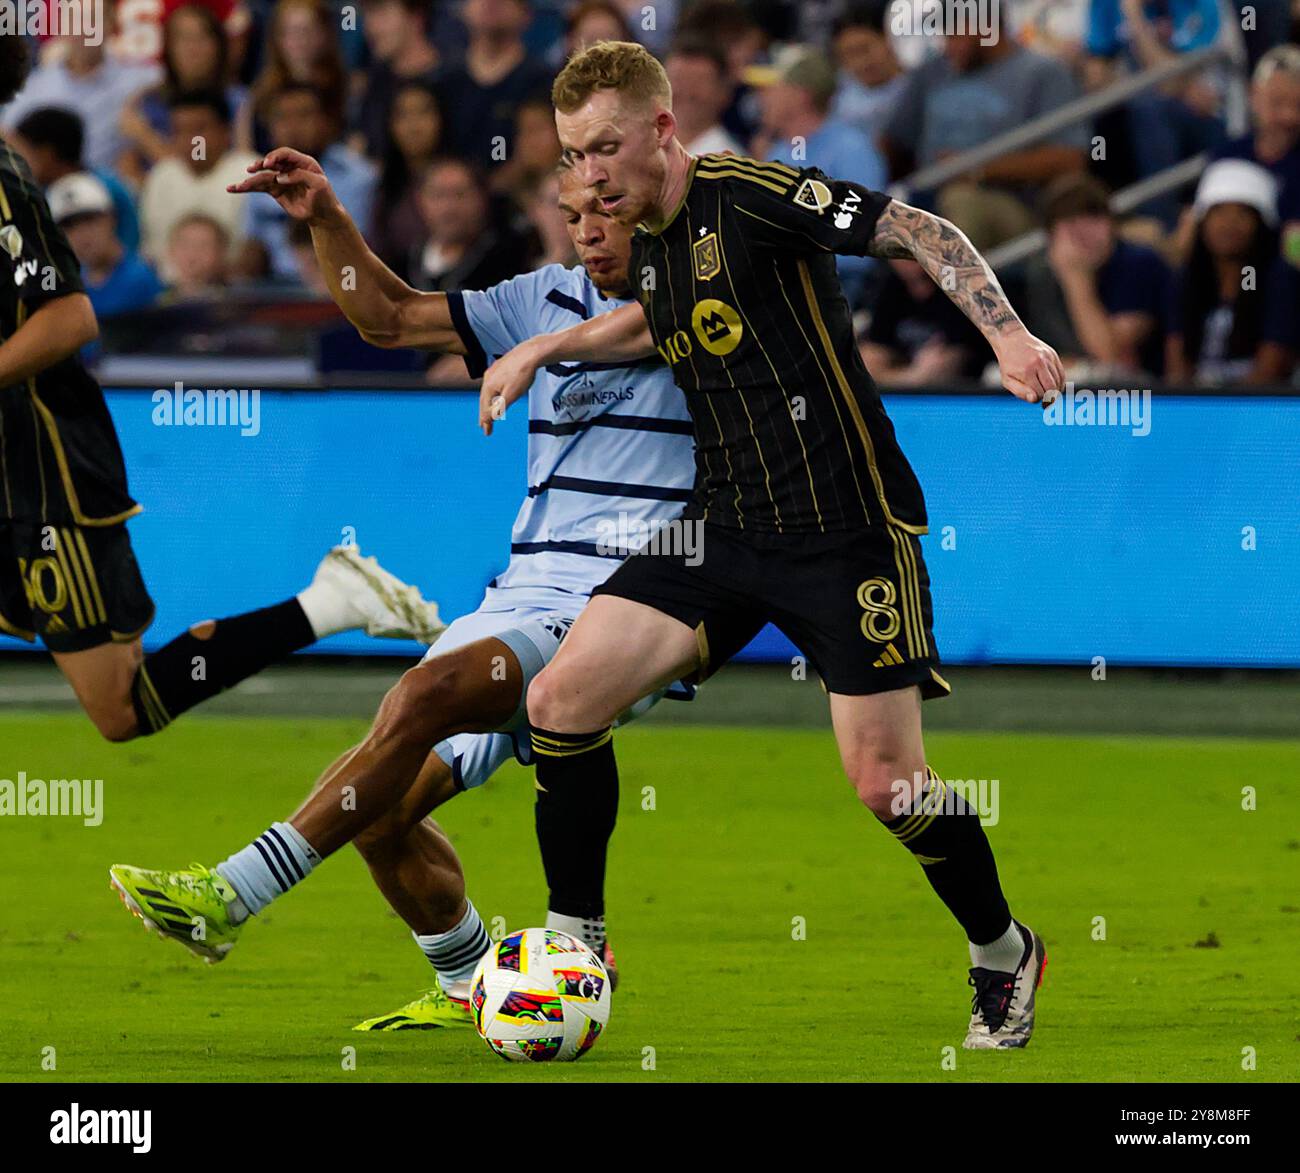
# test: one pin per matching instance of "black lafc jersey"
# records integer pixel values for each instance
(744, 304)
(59, 455)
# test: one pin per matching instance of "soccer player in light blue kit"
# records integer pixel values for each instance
(610, 458)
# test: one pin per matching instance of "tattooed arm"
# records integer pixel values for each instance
(1031, 369)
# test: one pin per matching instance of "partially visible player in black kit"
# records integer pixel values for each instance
(67, 570)
(810, 512)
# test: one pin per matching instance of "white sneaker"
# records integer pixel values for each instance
(375, 600)
(1002, 1008)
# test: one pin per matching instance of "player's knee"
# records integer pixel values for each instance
(422, 705)
(882, 782)
(554, 704)
(115, 722)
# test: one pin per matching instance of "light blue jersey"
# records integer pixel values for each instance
(609, 444)
(604, 440)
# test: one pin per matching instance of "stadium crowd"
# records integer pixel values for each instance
(433, 121)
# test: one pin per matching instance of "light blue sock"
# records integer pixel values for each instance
(268, 867)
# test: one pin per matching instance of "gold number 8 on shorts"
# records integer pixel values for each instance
(880, 620)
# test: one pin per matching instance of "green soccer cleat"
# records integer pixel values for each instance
(432, 1009)
(191, 906)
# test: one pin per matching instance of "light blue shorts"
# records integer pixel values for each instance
(534, 634)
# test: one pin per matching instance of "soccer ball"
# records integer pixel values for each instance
(538, 994)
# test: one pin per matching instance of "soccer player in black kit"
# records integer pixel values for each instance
(68, 574)
(809, 511)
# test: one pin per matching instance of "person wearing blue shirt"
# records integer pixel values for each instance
(116, 280)
(611, 463)
(298, 119)
(800, 130)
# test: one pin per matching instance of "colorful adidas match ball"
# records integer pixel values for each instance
(539, 994)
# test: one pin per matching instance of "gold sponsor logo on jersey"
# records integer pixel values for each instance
(814, 195)
(708, 262)
(716, 325)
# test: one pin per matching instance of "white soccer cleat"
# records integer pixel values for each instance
(374, 600)
(1002, 1008)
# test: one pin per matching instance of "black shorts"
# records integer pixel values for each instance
(74, 586)
(856, 603)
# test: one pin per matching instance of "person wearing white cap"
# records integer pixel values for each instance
(116, 279)
(1235, 311)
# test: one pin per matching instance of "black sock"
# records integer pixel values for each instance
(577, 805)
(945, 835)
(189, 670)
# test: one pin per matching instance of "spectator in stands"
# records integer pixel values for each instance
(542, 206)
(656, 35)
(536, 146)
(302, 49)
(297, 117)
(397, 33)
(594, 20)
(871, 78)
(702, 89)
(731, 26)
(195, 57)
(962, 99)
(198, 255)
(1274, 140)
(414, 139)
(1235, 312)
(917, 337)
(94, 86)
(1168, 124)
(194, 176)
(117, 281)
(463, 248)
(1098, 299)
(799, 129)
(495, 76)
(50, 139)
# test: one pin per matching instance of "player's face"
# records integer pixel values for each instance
(601, 242)
(616, 148)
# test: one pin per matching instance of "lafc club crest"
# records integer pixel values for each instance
(707, 259)
(814, 195)
(11, 240)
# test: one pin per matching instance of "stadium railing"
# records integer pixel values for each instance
(1229, 51)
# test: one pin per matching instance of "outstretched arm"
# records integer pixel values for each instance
(385, 310)
(1031, 370)
(622, 334)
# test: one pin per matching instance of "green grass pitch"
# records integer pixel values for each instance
(747, 830)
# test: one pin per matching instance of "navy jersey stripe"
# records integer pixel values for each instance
(590, 549)
(610, 489)
(565, 302)
(475, 360)
(561, 369)
(630, 423)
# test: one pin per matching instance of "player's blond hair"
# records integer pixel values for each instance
(624, 66)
